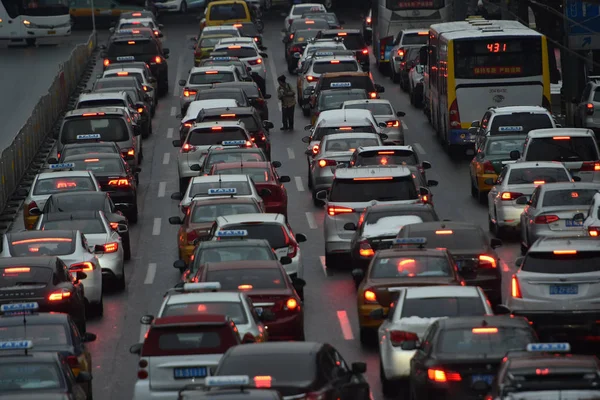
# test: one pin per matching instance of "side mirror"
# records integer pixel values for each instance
(359, 368)
(576, 179)
(501, 309)
(285, 260)
(495, 243)
(135, 349)
(276, 164)
(489, 181)
(515, 154)
(267, 97)
(379, 88)
(98, 249)
(475, 124)
(122, 228)
(523, 200)
(358, 275)
(83, 377)
(52, 160)
(264, 192)
(182, 82)
(285, 179)
(321, 195)
(300, 238)
(519, 262)
(473, 131)
(89, 337)
(298, 284)
(180, 265)
(248, 338)
(409, 345)
(308, 127)
(382, 125)
(400, 114)
(22, 192)
(146, 319)
(383, 136)
(80, 276)
(349, 226)
(175, 221)
(263, 54)
(177, 196)
(378, 313)
(306, 139)
(176, 143)
(426, 165)
(579, 217)
(196, 167)
(35, 211)
(432, 183)
(268, 124)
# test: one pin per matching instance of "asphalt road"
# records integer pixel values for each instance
(330, 306)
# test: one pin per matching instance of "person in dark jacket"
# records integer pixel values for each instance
(287, 96)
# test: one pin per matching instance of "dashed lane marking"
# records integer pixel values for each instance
(173, 111)
(156, 226)
(166, 158)
(345, 325)
(310, 218)
(291, 154)
(150, 273)
(404, 125)
(323, 266)
(178, 76)
(299, 184)
(162, 188)
(170, 133)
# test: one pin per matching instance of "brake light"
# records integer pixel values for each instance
(311, 78)
(342, 33)
(59, 295)
(373, 95)
(444, 232)
(145, 88)
(106, 62)
(487, 262)
(365, 51)
(397, 337)
(326, 163)
(85, 266)
(370, 296)
(508, 196)
(188, 148)
(128, 152)
(17, 270)
(189, 93)
(515, 288)
(131, 42)
(589, 108)
(291, 304)
(255, 62)
(309, 22)
(119, 182)
(216, 128)
(73, 362)
(122, 73)
(439, 375)
(546, 219)
(158, 60)
(315, 149)
(479, 331)
(114, 225)
(136, 14)
(454, 115)
(368, 20)
(334, 61)
(111, 247)
(234, 47)
(95, 114)
(156, 33)
(140, 110)
(393, 124)
(262, 381)
(245, 287)
(594, 231)
(488, 168)
(31, 206)
(335, 210)
(590, 166)
(400, 53)
(561, 138)
(565, 252)
(365, 249)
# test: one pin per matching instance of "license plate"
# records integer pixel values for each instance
(188, 373)
(573, 223)
(485, 378)
(564, 289)
(51, 32)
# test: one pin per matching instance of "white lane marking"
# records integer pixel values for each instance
(291, 154)
(170, 133)
(166, 158)
(419, 148)
(299, 184)
(173, 111)
(156, 226)
(345, 325)
(178, 76)
(310, 217)
(404, 125)
(150, 273)
(162, 188)
(323, 266)
(274, 77)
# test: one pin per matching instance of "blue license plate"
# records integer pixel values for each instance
(188, 373)
(573, 223)
(485, 378)
(564, 289)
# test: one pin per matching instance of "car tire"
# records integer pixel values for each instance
(366, 337)
(309, 175)
(331, 261)
(96, 309)
(133, 214)
(394, 77)
(183, 184)
(291, 68)
(388, 388)
(89, 392)
(120, 282)
(126, 247)
(316, 202)
(499, 232)
(305, 111)
(30, 42)
(474, 191)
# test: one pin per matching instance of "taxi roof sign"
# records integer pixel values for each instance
(16, 345)
(233, 142)
(340, 84)
(232, 233)
(219, 191)
(195, 287)
(323, 53)
(19, 307)
(510, 129)
(549, 347)
(222, 58)
(126, 58)
(223, 381)
(89, 136)
(66, 165)
(415, 240)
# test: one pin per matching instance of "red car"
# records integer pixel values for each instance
(264, 176)
(273, 294)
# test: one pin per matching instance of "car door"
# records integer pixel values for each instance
(530, 210)
(418, 371)
(495, 190)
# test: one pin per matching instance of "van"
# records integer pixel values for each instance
(225, 12)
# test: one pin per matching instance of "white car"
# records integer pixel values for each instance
(248, 53)
(203, 78)
(319, 45)
(238, 40)
(414, 310)
(139, 23)
(384, 112)
(415, 85)
(194, 108)
(298, 9)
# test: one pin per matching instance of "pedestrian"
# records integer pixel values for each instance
(481, 10)
(287, 96)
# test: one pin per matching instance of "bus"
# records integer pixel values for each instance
(389, 17)
(28, 20)
(476, 64)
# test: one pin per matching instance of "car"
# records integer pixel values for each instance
(449, 358)
(49, 332)
(355, 80)
(296, 41)
(403, 61)
(389, 155)
(85, 148)
(382, 111)
(225, 12)
(297, 11)
(331, 18)
(269, 288)
(367, 28)
(106, 242)
(206, 45)
(197, 224)
(203, 78)
(317, 46)
(393, 53)
(247, 53)
(586, 107)
(264, 176)
(254, 94)
(272, 227)
(172, 358)
(490, 157)
(416, 84)
(236, 93)
(472, 251)
(298, 368)
(414, 310)
(229, 387)
(139, 22)
(332, 99)
(73, 250)
(231, 154)
(139, 70)
(323, 62)
(45, 184)
(47, 281)
(115, 177)
(132, 86)
(353, 40)
(518, 180)
(217, 61)
(193, 110)
(555, 210)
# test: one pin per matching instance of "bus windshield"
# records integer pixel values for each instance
(36, 8)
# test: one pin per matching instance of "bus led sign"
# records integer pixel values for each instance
(497, 70)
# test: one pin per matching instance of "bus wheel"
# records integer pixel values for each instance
(30, 42)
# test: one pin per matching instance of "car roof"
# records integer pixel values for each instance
(336, 31)
(550, 244)
(187, 298)
(368, 101)
(75, 215)
(198, 105)
(206, 68)
(97, 110)
(240, 84)
(432, 292)
(383, 147)
(437, 225)
(535, 164)
(222, 199)
(534, 360)
(353, 135)
(63, 174)
(53, 318)
(411, 251)
(415, 30)
(25, 235)
(254, 217)
(246, 264)
(552, 132)
(226, 89)
(222, 122)
(76, 157)
(102, 95)
(343, 117)
(376, 208)
(220, 178)
(371, 171)
(506, 321)
(228, 110)
(234, 243)
(338, 74)
(244, 164)
(82, 193)
(276, 348)
(31, 355)
(42, 261)
(88, 144)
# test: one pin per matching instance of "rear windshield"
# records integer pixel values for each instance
(248, 30)
(426, 215)
(237, 51)
(110, 129)
(65, 184)
(568, 197)
(453, 239)
(273, 233)
(30, 377)
(114, 83)
(136, 75)
(348, 190)
(101, 166)
(201, 189)
(22, 276)
(248, 278)
(224, 12)
(237, 253)
(406, 267)
(217, 157)
(137, 24)
(212, 95)
(375, 108)
(211, 41)
(324, 131)
(47, 246)
(414, 39)
(352, 41)
(525, 176)
(41, 335)
(550, 263)
(489, 342)
(339, 66)
(313, 24)
(563, 150)
(258, 175)
(282, 367)
(208, 138)
(304, 35)
(299, 10)
(519, 123)
(443, 307)
(85, 226)
(101, 103)
(349, 144)
(334, 99)
(207, 78)
(248, 120)
(75, 203)
(503, 146)
(356, 82)
(72, 151)
(329, 17)
(210, 212)
(189, 340)
(132, 48)
(235, 311)
(386, 157)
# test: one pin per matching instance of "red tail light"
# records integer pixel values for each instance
(59, 295)
(85, 266)
(365, 51)
(365, 249)
(594, 231)
(509, 196)
(291, 304)
(255, 62)
(400, 53)
(73, 362)
(31, 206)
(128, 153)
(315, 149)
(439, 375)
(140, 110)
(454, 116)
(106, 62)
(158, 60)
(142, 374)
(327, 163)
(370, 297)
(191, 236)
(335, 210)
(487, 262)
(188, 148)
(290, 21)
(546, 219)
(393, 124)
(187, 125)
(397, 337)
(373, 95)
(114, 226)
(590, 166)
(488, 168)
(311, 78)
(515, 288)
(296, 49)
(189, 93)
(589, 108)
(119, 182)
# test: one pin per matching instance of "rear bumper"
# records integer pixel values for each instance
(584, 321)
(509, 216)
(546, 233)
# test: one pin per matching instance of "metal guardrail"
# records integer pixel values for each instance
(21, 161)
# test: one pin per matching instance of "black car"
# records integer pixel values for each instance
(237, 94)
(72, 149)
(45, 280)
(256, 97)
(353, 40)
(115, 177)
(331, 18)
(304, 24)
(259, 130)
(248, 29)
(314, 370)
(124, 48)
(458, 357)
(91, 201)
(471, 249)
(295, 44)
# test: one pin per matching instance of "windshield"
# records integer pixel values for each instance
(247, 278)
(364, 191)
(41, 335)
(304, 35)
(563, 149)
(258, 175)
(299, 10)
(121, 83)
(237, 51)
(352, 41)
(310, 50)
(101, 103)
(519, 123)
(136, 24)
(497, 342)
(568, 197)
(237, 253)
(110, 129)
(46, 246)
(306, 24)
(104, 166)
(528, 176)
(386, 157)
(76, 203)
(273, 233)
(375, 108)
(136, 75)
(335, 66)
(283, 367)
(235, 311)
(208, 138)
(65, 184)
(550, 263)
(224, 12)
(334, 99)
(210, 77)
(329, 17)
(426, 214)
(211, 41)
(452, 239)
(132, 48)
(29, 377)
(24, 275)
(216, 157)
(348, 144)
(85, 226)
(410, 39)
(189, 340)
(443, 307)
(503, 146)
(210, 212)
(248, 30)
(410, 267)
(201, 189)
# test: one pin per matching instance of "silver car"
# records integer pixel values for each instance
(518, 180)
(104, 241)
(203, 78)
(71, 247)
(384, 112)
(555, 210)
(416, 308)
(194, 108)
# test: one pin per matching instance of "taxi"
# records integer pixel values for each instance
(355, 80)
(224, 12)
(392, 270)
(231, 387)
(206, 45)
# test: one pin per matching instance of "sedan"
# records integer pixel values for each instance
(384, 112)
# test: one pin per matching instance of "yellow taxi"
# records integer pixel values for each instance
(226, 12)
(206, 45)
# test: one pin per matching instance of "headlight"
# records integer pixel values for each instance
(30, 24)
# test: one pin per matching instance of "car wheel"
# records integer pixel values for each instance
(126, 247)
(310, 185)
(498, 230)
(183, 184)
(395, 77)
(331, 261)
(305, 111)
(482, 196)
(120, 282)
(30, 42)
(183, 7)
(316, 202)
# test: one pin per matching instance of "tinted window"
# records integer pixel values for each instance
(349, 144)
(212, 95)
(111, 129)
(258, 175)
(357, 82)
(237, 253)
(102, 103)
(29, 377)
(408, 267)
(443, 307)
(22, 275)
(207, 138)
(92, 148)
(568, 197)
(137, 48)
(339, 66)
(323, 131)
(248, 30)
(572, 149)
(453, 239)
(237, 51)
(304, 35)
(347, 190)
(137, 24)
(101, 166)
(201, 189)
(210, 212)
(255, 278)
(75, 203)
(211, 41)
(64, 184)
(217, 157)
(352, 41)
(415, 39)
(550, 263)
(524, 176)
(188, 340)
(47, 246)
(386, 157)
(235, 311)
(41, 335)
(115, 83)
(426, 215)
(299, 10)
(519, 123)
(375, 108)
(86, 226)
(273, 233)
(220, 12)
(503, 146)
(136, 75)
(284, 367)
(210, 78)
(465, 341)
(329, 17)
(334, 99)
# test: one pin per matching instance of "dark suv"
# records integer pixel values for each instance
(353, 40)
